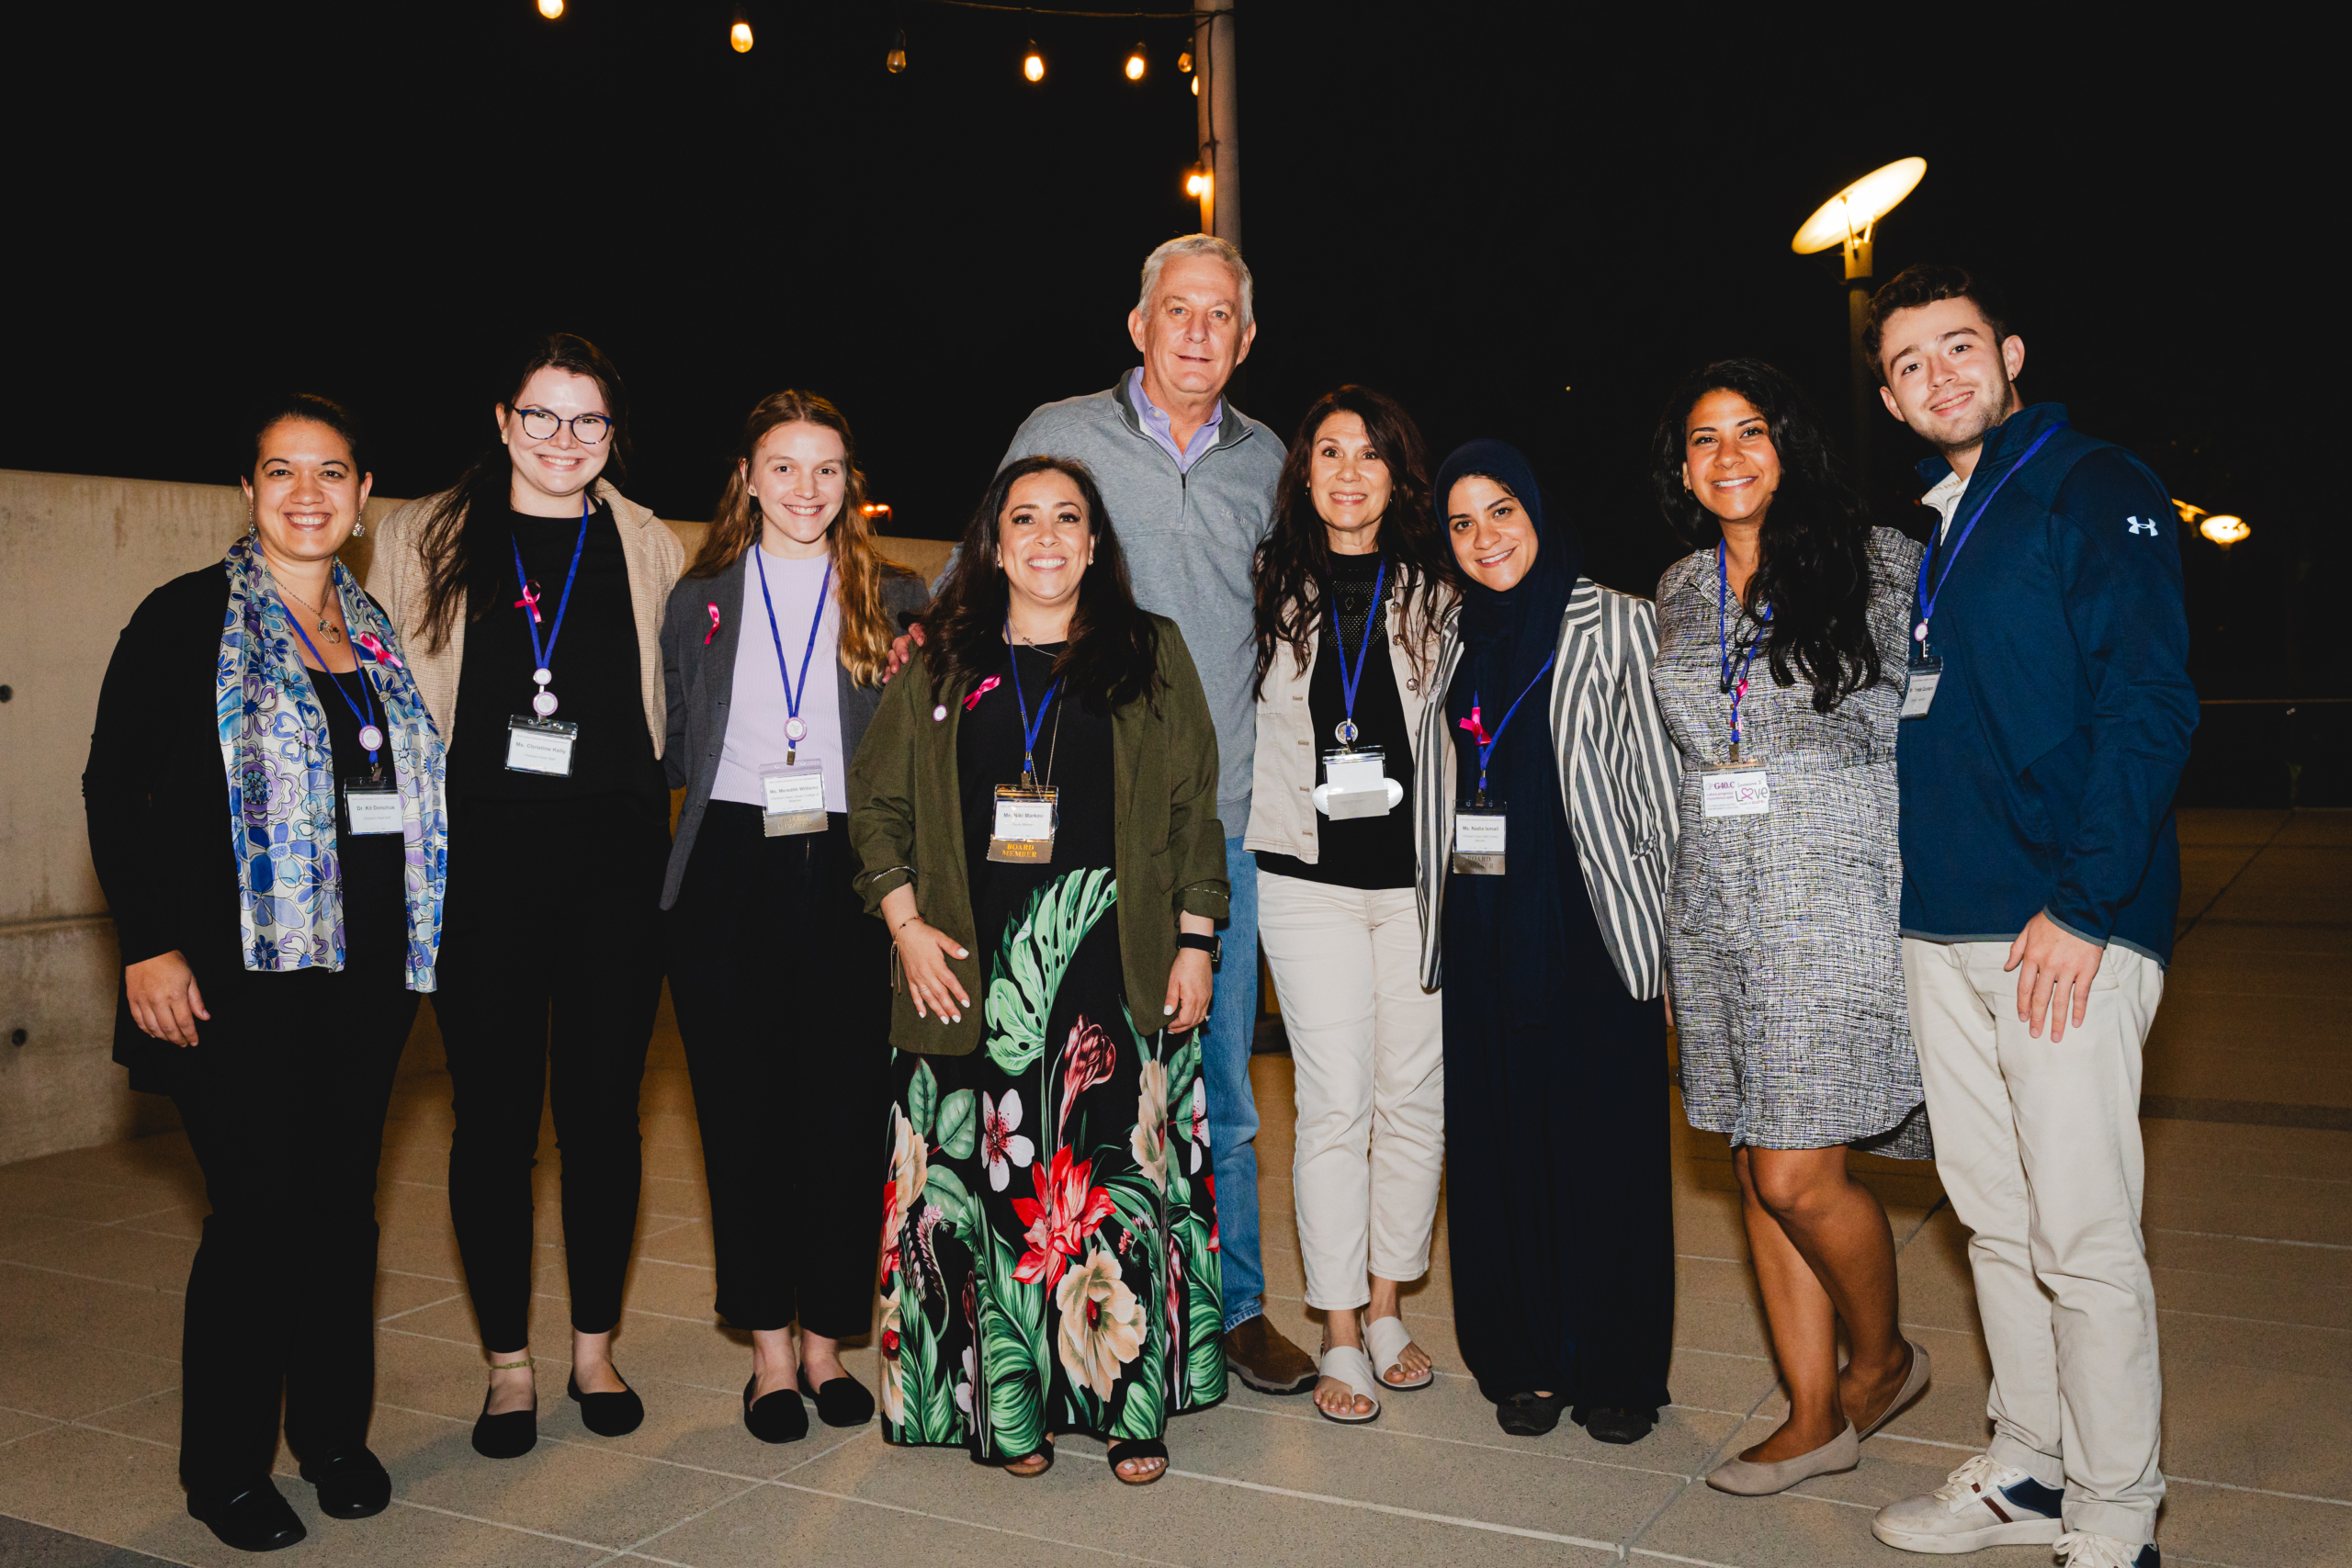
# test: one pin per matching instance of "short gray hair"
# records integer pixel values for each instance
(1198, 245)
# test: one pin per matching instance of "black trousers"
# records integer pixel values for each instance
(781, 986)
(551, 959)
(283, 1104)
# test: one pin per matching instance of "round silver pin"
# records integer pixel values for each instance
(542, 676)
(1347, 731)
(371, 739)
(794, 731)
(544, 703)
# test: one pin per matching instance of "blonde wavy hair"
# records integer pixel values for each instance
(859, 569)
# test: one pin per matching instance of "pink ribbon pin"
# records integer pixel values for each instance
(1477, 730)
(714, 627)
(383, 655)
(531, 600)
(982, 690)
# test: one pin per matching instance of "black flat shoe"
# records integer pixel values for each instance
(352, 1485)
(1530, 1415)
(842, 1401)
(255, 1519)
(1615, 1422)
(778, 1415)
(508, 1435)
(608, 1414)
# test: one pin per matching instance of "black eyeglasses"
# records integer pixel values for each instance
(588, 429)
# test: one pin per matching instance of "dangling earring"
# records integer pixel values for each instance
(360, 530)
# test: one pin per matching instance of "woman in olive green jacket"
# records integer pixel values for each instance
(1034, 809)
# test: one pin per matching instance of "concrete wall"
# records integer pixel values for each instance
(77, 555)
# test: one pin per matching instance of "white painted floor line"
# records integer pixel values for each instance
(1709, 1257)
(428, 1306)
(1670, 1557)
(146, 1214)
(2265, 1322)
(499, 1524)
(411, 1274)
(1726, 1354)
(673, 1263)
(954, 1519)
(1932, 1443)
(2264, 1240)
(676, 1524)
(2263, 1492)
(92, 1279)
(1376, 1429)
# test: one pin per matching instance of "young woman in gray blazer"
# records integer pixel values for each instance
(773, 653)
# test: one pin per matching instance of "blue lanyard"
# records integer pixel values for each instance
(1478, 731)
(367, 690)
(1350, 679)
(1723, 645)
(531, 600)
(1029, 731)
(1927, 601)
(794, 730)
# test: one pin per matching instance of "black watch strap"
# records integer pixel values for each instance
(1212, 945)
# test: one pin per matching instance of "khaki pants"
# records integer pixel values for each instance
(2037, 1144)
(1367, 1054)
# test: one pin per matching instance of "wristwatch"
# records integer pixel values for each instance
(1212, 945)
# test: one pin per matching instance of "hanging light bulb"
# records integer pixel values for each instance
(1196, 181)
(1184, 63)
(550, 9)
(896, 59)
(1135, 63)
(739, 36)
(1033, 64)
(1196, 87)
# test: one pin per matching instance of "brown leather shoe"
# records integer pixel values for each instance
(1261, 1357)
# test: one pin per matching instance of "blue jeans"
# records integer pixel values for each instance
(1226, 1041)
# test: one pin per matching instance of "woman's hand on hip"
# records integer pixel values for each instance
(164, 1001)
(1189, 986)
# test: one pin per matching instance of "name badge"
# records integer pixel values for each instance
(1026, 820)
(1356, 783)
(1478, 839)
(1919, 690)
(1740, 790)
(371, 805)
(794, 798)
(540, 746)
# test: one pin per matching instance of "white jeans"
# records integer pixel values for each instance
(1367, 1054)
(2038, 1144)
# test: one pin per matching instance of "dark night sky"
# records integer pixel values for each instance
(1472, 207)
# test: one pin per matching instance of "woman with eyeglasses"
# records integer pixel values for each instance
(266, 810)
(530, 596)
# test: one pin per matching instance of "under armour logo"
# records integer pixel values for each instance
(2134, 525)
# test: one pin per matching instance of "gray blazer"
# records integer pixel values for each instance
(1618, 775)
(699, 678)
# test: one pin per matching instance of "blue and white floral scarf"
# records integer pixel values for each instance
(282, 785)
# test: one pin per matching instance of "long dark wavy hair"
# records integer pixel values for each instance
(461, 559)
(1296, 550)
(1114, 653)
(1813, 564)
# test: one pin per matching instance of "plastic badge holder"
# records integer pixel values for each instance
(1478, 838)
(372, 806)
(1026, 820)
(1738, 789)
(794, 798)
(1356, 783)
(540, 746)
(1920, 687)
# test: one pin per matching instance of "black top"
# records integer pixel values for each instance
(1358, 852)
(372, 865)
(1073, 755)
(157, 797)
(598, 680)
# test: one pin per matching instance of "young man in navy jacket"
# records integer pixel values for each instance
(2045, 726)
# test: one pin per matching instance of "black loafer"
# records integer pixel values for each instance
(255, 1519)
(778, 1415)
(608, 1414)
(1530, 1415)
(842, 1401)
(508, 1435)
(352, 1485)
(1615, 1422)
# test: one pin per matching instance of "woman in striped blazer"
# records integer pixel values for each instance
(1545, 821)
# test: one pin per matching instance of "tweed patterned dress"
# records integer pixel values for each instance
(1781, 936)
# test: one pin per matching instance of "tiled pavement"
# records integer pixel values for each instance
(2249, 1222)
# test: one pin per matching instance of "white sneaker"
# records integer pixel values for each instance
(2080, 1549)
(1982, 1504)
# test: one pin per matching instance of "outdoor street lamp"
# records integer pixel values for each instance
(1850, 218)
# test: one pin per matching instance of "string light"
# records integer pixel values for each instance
(1196, 87)
(1184, 63)
(896, 59)
(739, 36)
(550, 9)
(1196, 181)
(1033, 64)
(1134, 64)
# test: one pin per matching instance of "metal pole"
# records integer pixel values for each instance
(1219, 116)
(1865, 377)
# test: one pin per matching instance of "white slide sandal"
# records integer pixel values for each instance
(1346, 1364)
(1388, 1340)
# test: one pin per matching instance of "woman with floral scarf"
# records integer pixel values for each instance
(265, 797)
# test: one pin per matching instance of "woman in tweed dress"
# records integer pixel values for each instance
(1783, 955)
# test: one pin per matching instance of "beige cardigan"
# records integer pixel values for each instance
(397, 577)
(1282, 818)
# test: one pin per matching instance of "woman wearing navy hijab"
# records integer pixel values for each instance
(1543, 850)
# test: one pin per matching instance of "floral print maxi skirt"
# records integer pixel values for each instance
(1050, 1225)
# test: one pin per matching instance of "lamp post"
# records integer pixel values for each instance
(1850, 218)
(1219, 107)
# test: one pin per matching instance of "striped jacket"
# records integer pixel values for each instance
(1619, 775)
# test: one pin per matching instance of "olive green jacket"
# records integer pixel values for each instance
(906, 821)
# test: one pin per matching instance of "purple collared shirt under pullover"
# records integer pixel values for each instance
(1155, 424)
